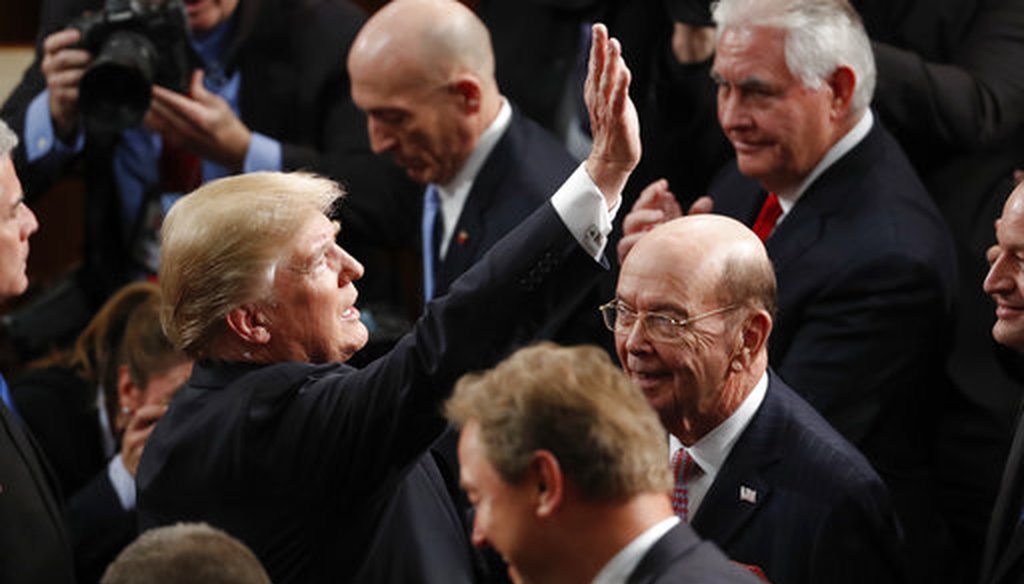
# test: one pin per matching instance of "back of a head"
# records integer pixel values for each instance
(821, 35)
(574, 403)
(95, 353)
(186, 553)
(220, 245)
(145, 348)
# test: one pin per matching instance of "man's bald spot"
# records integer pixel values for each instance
(715, 242)
(437, 37)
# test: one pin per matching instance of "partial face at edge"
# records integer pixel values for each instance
(313, 317)
(17, 224)
(1005, 280)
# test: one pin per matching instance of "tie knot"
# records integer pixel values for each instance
(683, 465)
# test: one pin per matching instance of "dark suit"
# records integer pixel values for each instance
(60, 408)
(1003, 559)
(866, 279)
(819, 513)
(302, 462)
(680, 557)
(33, 544)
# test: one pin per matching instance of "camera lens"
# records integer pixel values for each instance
(115, 91)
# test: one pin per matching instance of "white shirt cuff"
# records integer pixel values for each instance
(581, 206)
(122, 481)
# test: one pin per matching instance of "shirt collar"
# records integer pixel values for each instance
(788, 198)
(484, 145)
(623, 563)
(453, 195)
(213, 46)
(711, 451)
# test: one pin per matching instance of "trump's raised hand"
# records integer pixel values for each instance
(613, 119)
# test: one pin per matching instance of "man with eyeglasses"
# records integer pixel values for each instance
(757, 470)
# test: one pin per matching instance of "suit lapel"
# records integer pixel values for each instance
(743, 483)
(464, 248)
(35, 464)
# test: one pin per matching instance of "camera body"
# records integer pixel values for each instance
(134, 43)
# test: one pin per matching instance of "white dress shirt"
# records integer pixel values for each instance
(710, 452)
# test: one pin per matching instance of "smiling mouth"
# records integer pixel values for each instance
(350, 313)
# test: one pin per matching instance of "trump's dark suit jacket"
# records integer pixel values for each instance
(303, 462)
(798, 501)
(680, 557)
(866, 278)
(1002, 561)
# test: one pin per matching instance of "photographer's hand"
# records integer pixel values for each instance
(201, 122)
(63, 67)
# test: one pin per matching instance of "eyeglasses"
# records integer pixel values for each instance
(619, 317)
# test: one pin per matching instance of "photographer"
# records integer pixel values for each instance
(270, 93)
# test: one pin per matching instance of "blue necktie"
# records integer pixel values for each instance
(430, 215)
(5, 395)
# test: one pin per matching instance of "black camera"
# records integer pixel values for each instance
(134, 43)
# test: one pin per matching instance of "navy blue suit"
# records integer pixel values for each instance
(310, 464)
(866, 283)
(797, 500)
(525, 167)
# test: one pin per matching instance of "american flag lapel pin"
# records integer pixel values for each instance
(747, 494)
(461, 237)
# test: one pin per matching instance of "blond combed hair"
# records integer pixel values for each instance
(221, 244)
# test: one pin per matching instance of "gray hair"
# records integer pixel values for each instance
(821, 35)
(8, 140)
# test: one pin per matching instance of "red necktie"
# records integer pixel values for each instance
(770, 213)
(682, 467)
(180, 170)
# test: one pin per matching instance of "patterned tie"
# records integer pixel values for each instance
(682, 469)
(430, 231)
(770, 213)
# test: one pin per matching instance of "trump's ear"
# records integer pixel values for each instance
(249, 324)
(545, 474)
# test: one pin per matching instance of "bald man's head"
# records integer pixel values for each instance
(423, 71)
(440, 36)
(693, 311)
(715, 248)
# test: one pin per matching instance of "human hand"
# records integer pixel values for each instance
(691, 43)
(63, 67)
(655, 206)
(140, 426)
(613, 119)
(201, 122)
